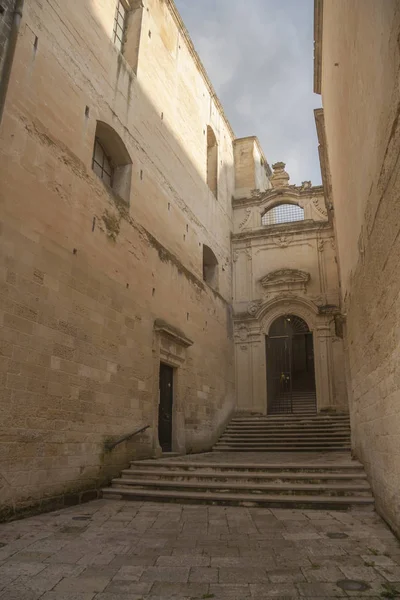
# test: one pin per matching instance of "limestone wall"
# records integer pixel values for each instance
(83, 275)
(6, 17)
(360, 92)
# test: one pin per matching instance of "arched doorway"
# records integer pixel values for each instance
(290, 367)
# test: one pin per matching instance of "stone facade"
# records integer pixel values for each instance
(357, 69)
(280, 269)
(86, 272)
(130, 237)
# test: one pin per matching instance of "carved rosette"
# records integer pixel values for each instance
(252, 307)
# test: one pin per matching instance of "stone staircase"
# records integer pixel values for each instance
(312, 484)
(283, 433)
(276, 461)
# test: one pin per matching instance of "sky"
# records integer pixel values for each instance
(259, 57)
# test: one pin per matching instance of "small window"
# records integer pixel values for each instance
(111, 161)
(210, 267)
(119, 25)
(212, 161)
(283, 213)
(101, 163)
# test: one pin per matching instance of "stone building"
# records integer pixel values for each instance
(357, 70)
(147, 256)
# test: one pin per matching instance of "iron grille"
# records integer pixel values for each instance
(119, 26)
(283, 213)
(101, 164)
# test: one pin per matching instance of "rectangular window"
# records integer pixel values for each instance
(119, 25)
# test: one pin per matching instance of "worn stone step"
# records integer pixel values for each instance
(319, 488)
(281, 448)
(286, 435)
(300, 501)
(294, 467)
(246, 476)
(284, 442)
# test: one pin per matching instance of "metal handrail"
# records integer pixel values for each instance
(128, 436)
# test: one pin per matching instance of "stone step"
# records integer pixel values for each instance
(282, 500)
(291, 488)
(336, 448)
(294, 467)
(287, 441)
(286, 435)
(246, 476)
(290, 419)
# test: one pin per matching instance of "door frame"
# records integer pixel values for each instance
(170, 347)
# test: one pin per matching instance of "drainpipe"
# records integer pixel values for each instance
(9, 58)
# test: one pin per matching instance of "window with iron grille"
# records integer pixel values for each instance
(101, 164)
(119, 25)
(283, 213)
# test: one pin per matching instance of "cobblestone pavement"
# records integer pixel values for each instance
(114, 550)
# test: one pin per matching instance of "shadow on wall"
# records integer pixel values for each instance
(86, 272)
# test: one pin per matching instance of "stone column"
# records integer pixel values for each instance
(323, 366)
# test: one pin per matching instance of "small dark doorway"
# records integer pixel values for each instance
(290, 367)
(165, 407)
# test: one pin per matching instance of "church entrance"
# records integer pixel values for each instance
(290, 367)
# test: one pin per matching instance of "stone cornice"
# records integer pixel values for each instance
(185, 34)
(293, 192)
(297, 227)
(323, 156)
(318, 30)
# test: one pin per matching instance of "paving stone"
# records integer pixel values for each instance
(189, 590)
(68, 596)
(230, 591)
(82, 584)
(203, 575)
(183, 561)
(285, 575)
(128, 573)
(324, 590)
(240, 575)
(360, 573)
(389, 572)
(274, 590)
(133, 561)
(171, 574)
(322, 574)
(17, 591)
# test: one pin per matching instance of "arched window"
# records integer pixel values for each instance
(212, 161)
(210, 267)
(283, 213)
(111, 161)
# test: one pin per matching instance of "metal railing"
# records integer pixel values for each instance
(111, 445)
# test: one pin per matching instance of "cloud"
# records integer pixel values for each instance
(259, 56)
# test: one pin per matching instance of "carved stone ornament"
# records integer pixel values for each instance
(252, 307)
(285, 279)
(245, 219)
(319, 207)
(305, 185)
(242, 333)
(281, 240)
(279, 178)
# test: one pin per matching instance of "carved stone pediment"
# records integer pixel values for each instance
(285, 279)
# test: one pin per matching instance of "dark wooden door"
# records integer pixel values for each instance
(165, 407)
